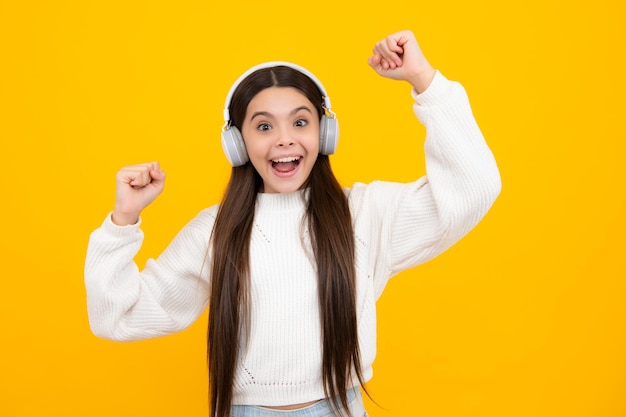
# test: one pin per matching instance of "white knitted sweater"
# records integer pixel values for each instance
(397, 226)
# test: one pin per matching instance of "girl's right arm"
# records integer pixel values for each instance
(125, 303)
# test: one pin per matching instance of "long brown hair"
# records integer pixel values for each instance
(330, 224)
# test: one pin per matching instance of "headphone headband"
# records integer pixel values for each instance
(270, 65)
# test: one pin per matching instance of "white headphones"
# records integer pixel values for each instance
(232, 141)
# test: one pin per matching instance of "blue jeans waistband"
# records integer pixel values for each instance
(321, 408)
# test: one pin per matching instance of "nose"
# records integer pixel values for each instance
(284, 139)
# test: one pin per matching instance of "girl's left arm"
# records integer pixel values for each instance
(426, 217)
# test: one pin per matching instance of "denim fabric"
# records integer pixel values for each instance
(321, 408)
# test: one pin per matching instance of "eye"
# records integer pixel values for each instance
(264, 127)
(301, 123)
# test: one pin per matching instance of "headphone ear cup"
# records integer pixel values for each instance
(234, 147)
(329, 135)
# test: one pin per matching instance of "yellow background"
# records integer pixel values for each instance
(524, 317)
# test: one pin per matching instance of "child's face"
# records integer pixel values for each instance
(281, 133)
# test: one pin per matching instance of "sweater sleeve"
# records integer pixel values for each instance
(412, 223)
(167, 296)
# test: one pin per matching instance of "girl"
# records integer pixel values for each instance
(290, 264)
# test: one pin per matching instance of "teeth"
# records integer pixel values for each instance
(286, 159)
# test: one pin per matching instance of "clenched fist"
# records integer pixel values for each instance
(136, 187)
(399, 57)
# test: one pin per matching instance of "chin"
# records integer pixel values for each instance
(283, 188)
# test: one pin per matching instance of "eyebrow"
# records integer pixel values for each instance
(268, 114)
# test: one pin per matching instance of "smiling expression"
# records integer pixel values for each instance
(281, 133)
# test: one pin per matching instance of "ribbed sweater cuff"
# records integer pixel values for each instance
(435, 93)
(120, 231)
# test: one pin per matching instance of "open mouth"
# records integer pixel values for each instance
(286, 164)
